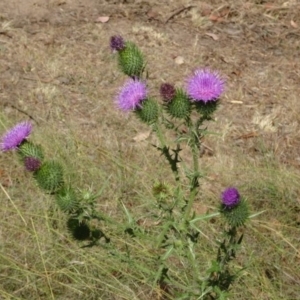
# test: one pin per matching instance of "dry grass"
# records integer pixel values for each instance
(56, 69)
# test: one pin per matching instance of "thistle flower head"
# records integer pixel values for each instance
(79, 230)
(131, 95)
(66, 199)
(167, 91)
(117, 43)
(32, 163)
(49, 176)
(29, 149)
(233, 208)
(180, 106)
(148, 111)
(15, 136)
(230, 197)
(131, 60)
(205, 85)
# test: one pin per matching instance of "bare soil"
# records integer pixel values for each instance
(61, 47)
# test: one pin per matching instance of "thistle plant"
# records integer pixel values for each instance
(49, 176)
(189, 107)
(185, 111)
(235, 211)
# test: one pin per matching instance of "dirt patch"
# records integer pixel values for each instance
(58, 48)
(53, 11)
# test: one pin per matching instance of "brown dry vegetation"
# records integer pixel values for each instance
(56, 69)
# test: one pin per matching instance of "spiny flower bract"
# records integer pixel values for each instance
(148, 112)
(66, 199)
(131, 95)
(180, 106)
(49, 176)
(79, 230)
(205, 85)
(131, 60)
(15, 136)
(29, 149)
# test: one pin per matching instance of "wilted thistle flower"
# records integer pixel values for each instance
(117, 43)
(15, 136)
(230, 197)
(167, 91)
(205, 85)
(131, 95)
(32, 163)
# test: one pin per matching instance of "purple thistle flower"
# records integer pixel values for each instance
(32, 163)
(117, 43)
(132, 94)
(15, 136)
(205, 85)
(167, 91)
(231, 197)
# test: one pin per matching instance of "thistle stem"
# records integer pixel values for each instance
(163, 233)
(103, 217)
(159, 134)
(165, 150)
(194, 183)
(190, 203)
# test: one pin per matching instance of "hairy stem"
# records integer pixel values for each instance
(194, 178)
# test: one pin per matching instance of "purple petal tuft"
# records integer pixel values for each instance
(167, 91)
(32, 163)
(205, 85)
(15, 136)
(131, 95)
(231, 197)
(117, 43)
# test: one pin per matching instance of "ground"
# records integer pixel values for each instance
(57, 69)
(59, 46)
